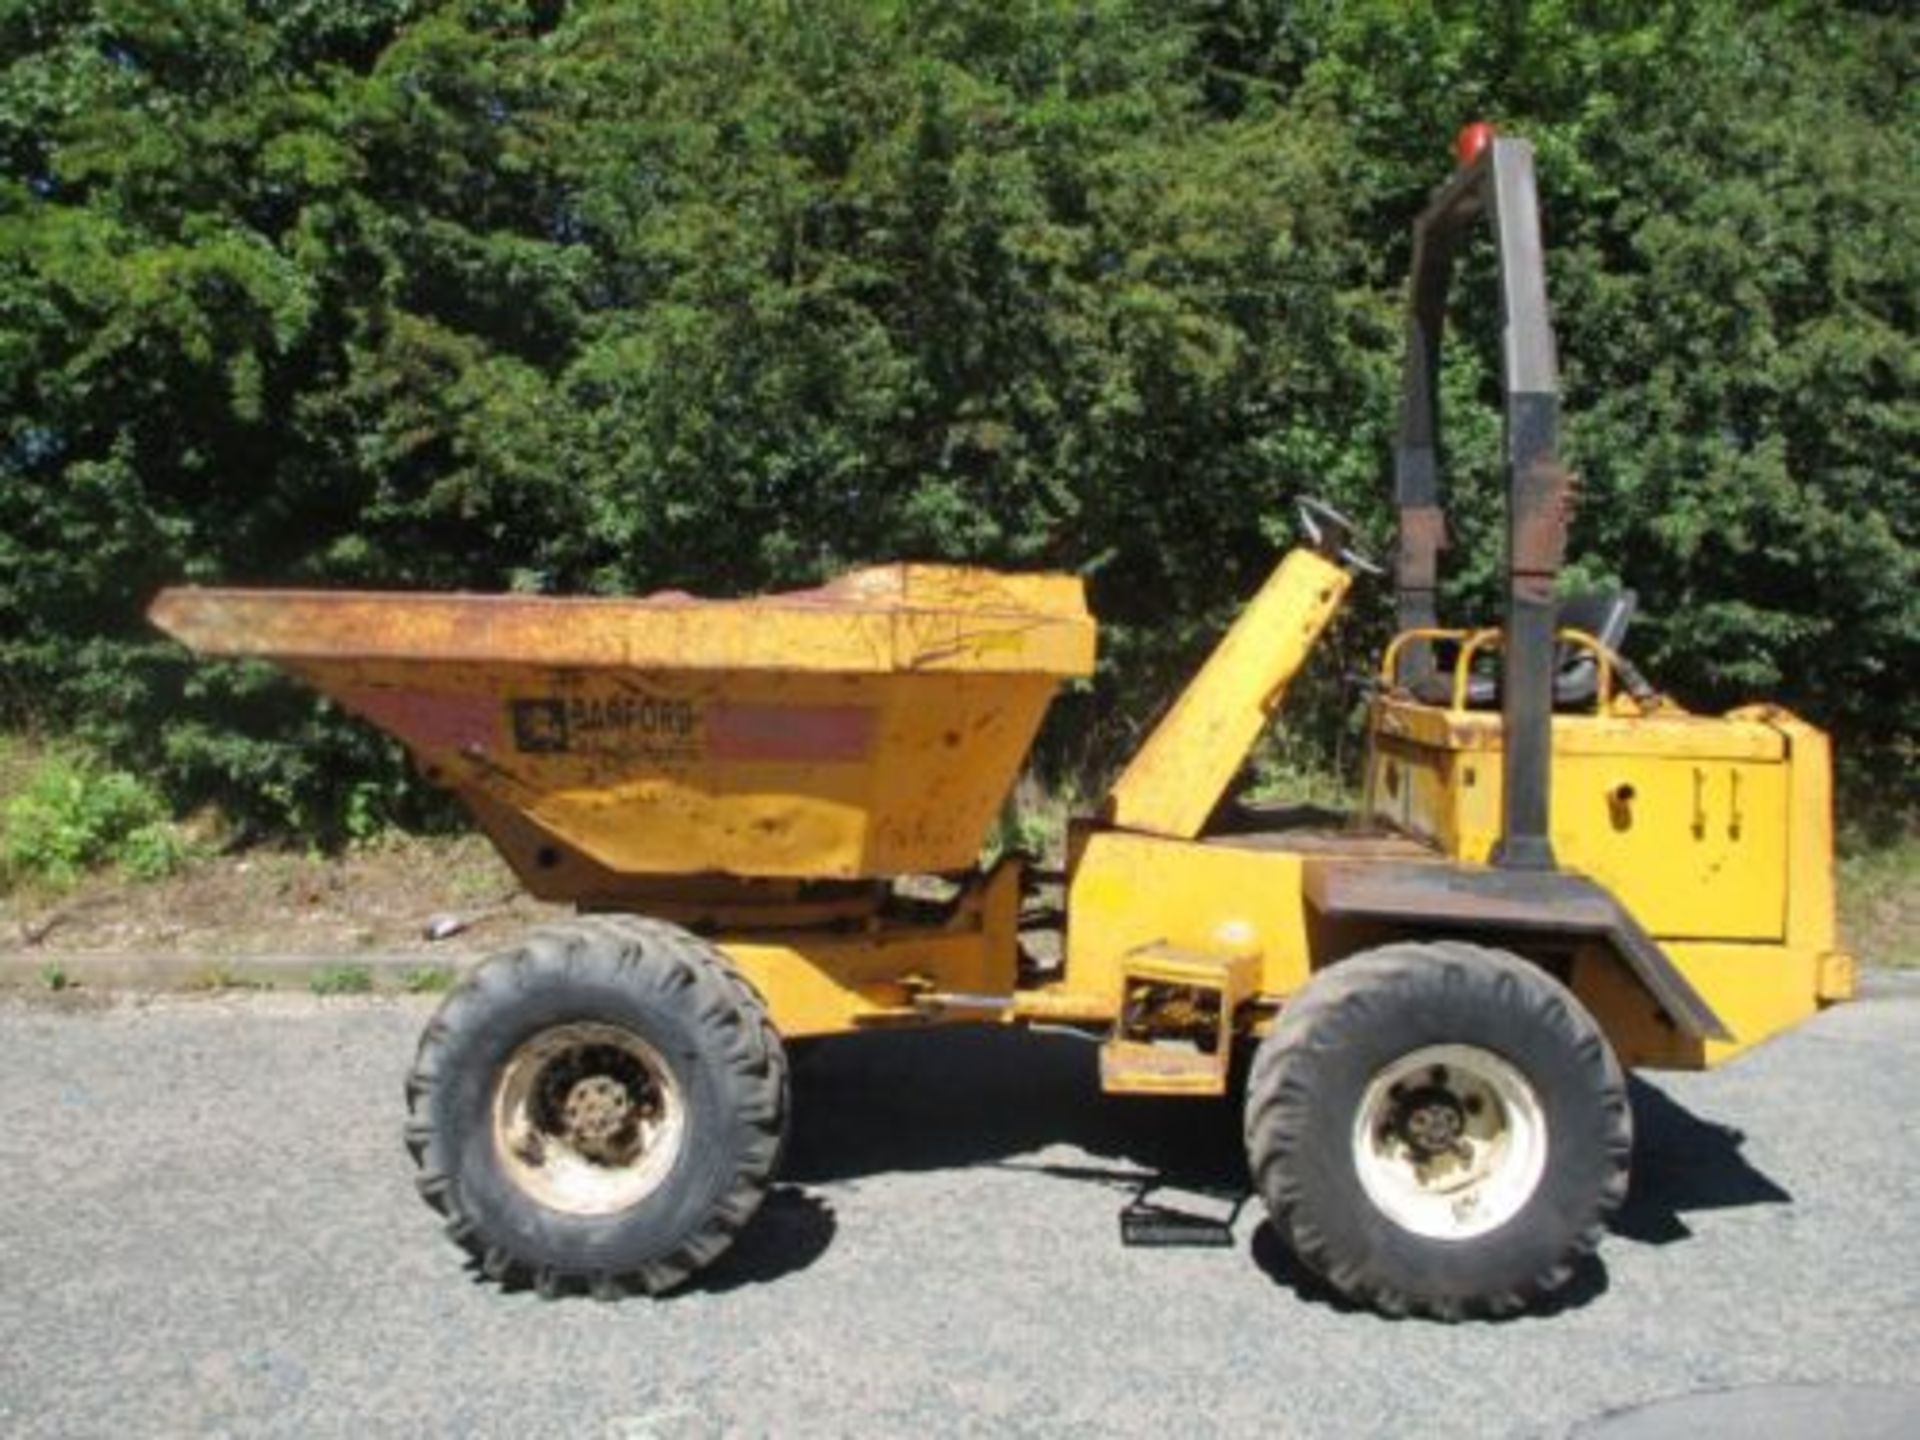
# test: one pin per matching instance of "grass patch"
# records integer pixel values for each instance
(1880, 903)
(19, 757)
(1033, 822)
(219, 976)
(341, 980)
(1277, 780)
(427, 980)
(54, 976)
(473, 874)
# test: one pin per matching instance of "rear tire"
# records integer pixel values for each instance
(601, 1108)
(1438, 1129)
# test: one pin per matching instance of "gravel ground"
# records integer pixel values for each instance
(207, 1226)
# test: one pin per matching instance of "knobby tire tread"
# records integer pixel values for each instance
(1341, 1001)
(647, 952)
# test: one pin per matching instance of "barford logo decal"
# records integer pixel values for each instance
(653, 728)
(627, 724)
(540, 726)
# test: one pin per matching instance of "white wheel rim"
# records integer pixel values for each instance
(587, 1119)
(1450, 1142)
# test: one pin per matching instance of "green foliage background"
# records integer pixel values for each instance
(726, 295)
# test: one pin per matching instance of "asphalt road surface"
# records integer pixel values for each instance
(207, 1225)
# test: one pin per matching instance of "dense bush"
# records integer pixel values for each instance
(71, 815)
(617, 296)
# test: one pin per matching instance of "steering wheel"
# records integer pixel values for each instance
(1331, 533)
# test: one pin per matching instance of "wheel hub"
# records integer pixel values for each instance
(1450, 1141)
(1431, 1121)
(588, 1118)
(599, 1118)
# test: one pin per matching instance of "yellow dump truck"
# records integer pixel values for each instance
(1557, 872)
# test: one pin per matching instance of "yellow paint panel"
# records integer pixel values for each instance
(1810, 901)
(1699, 849)
(823, 982)
(1757, 990)
(1134, 891)
(754, 774)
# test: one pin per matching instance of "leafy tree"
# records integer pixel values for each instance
(617, 296)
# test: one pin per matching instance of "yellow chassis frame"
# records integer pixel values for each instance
(1715, 831)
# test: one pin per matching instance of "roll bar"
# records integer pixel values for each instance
(1497, 184)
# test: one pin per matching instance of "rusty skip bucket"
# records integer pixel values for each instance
(871, 727)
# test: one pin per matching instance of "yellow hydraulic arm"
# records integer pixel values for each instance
(1177, 778)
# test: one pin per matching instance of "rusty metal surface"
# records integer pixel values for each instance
(1435, 895)
(1543, 505)
(866, 728)
(1347, 844)
(1669, 731)
(1423, 535)
(885, 618)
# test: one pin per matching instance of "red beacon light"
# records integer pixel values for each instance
(1471, 140)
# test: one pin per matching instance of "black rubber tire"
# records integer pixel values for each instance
(684, 998)
(1359, 1016)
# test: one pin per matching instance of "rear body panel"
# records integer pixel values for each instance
(1683, 817)
(1714, 832)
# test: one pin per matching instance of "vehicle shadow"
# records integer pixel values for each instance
(870, 1104)
(792, 1229)
(1683, 1163)
(945, 1099)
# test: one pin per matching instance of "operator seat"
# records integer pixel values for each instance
(1603, 614)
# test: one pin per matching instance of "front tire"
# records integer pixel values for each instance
(1438, 1129)
(601, 1108)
